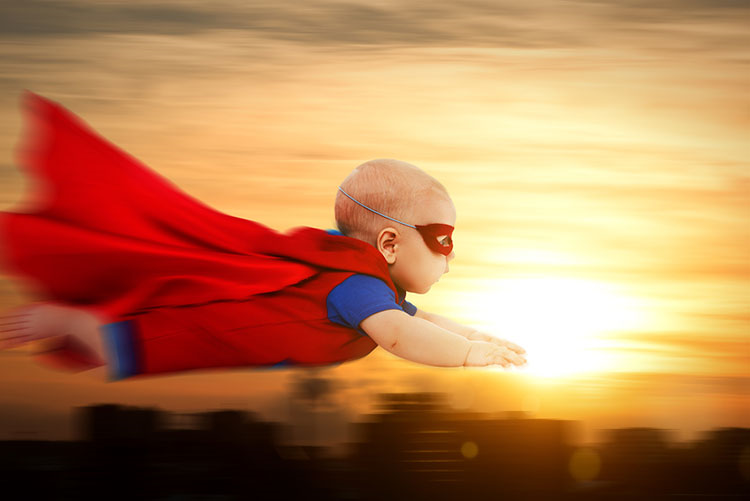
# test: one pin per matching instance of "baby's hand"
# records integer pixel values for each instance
(482, 353)
(481, 336)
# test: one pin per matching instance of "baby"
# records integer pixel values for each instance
(305, 298)
(408, 217)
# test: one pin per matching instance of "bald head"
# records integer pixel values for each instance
(390, 186)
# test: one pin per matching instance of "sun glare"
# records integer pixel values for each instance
(557, 320)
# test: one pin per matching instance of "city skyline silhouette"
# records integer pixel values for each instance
(415, 447)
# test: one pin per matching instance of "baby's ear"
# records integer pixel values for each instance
(387, 244)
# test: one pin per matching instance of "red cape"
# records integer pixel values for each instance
(105, 232)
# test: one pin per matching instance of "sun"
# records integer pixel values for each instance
(560, 321)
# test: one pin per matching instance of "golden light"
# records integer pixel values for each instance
(558, 320)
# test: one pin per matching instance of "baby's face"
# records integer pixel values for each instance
(417, 267)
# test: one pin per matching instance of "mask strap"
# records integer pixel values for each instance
(373, 210)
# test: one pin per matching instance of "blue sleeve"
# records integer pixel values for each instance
(409, 308)
(360, 296)
(121, 347)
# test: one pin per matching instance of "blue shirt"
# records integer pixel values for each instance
(360, 296)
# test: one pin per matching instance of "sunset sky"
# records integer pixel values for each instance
(597, 154)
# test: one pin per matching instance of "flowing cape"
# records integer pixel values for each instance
(103, 231)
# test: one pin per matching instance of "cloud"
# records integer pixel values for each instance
(460, 23)
(717, 350)
(689, 383)
(684, 5)
(312, 22)
(48, 18)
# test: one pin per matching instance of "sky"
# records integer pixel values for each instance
(596, 152)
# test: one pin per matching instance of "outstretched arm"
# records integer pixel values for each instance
(422, 341)
(467, 332)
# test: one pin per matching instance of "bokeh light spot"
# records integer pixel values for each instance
(584, 465)
(469, 450)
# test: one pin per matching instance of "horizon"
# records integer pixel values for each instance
(305, 427)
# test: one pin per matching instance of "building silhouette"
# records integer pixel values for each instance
(427, 450)
(414, 448)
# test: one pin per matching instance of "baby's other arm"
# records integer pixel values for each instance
(422, 341)
(467, 332)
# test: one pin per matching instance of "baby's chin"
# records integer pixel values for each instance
(416, 289)
(423, 290)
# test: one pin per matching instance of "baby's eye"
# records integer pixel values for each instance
(445, 241)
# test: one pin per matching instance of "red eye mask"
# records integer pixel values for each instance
(438, 237)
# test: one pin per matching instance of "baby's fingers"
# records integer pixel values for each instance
(515, 358)
(508, 358)
(502, 342)
(512, 346)
(499, 359)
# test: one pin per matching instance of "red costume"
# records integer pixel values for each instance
(198, 288)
